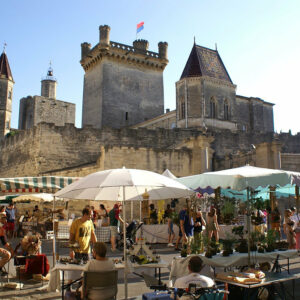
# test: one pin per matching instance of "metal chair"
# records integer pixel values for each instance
(104, 281)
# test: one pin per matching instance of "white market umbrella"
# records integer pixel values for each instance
(124, 185)
(243, 178)
(169, 174)
(43, 197)
(239, 178)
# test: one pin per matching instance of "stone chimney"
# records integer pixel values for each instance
(163, 50)
(141, 45)
(85, 49)
(104, 37)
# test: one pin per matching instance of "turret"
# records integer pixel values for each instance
(163, 50)
(104, 37)
(6, 93)
(85, 49)
(141, 45)
(49, 83)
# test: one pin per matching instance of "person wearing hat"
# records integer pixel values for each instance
(5, 255)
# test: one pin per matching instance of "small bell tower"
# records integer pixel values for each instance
(49, 83)
(6, 94)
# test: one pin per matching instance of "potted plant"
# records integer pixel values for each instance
(228, 245)
(271, 240)
(184, 251)
(227, 211)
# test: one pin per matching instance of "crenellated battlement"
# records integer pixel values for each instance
(138, 53)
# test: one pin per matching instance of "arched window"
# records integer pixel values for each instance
(226, 110)
(213, 108)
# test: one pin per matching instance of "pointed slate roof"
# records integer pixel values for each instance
(5, 71)
(205, 62)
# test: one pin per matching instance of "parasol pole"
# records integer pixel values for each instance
(54, 234)
(248, 224)
(131, 212)
(124, 241)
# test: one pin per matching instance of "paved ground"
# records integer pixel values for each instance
(136, 287)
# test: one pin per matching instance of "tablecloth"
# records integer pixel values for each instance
(74, 272)
(102, 233)
(179, 266)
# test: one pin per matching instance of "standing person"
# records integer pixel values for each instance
(276, 221)
(198, 227)
(171, 234)
(103, 215)
(4, 254)
(11, 217)
(94, 214)
(212, 224)
(296, 227)
(153, 214)
(186, 226)
(113, 219)
(82, 232)
(289, 231)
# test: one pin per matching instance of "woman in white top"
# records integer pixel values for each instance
(103, 215)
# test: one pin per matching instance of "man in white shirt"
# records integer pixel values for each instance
(100, 263)
(195, 266)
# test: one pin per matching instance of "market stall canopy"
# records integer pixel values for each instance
(169, 174)
(26, 185)
(43, 197)
(239, 179)
(109, 184)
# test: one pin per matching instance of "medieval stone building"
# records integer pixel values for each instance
(6, 94)
(45, 108)
(124, 124)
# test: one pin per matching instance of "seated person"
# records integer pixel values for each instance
(100, 263)
(195, 266)
(5, 255)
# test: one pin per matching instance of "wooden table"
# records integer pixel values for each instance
(250, 291)
(179, 265)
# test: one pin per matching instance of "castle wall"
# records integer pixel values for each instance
(47, 147)
(290, 161)
(290, 143)
(157, 160)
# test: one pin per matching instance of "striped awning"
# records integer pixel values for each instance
(25, 185)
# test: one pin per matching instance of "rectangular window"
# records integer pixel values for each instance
(212, 109)
(9, 94)
(126, 116)
(183, 110)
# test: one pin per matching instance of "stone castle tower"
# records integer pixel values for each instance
(6, 93)
(206, 97)
(45, 108)
(49, 83)
(123, 85)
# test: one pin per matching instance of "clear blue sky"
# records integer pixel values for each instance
(258, 40)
